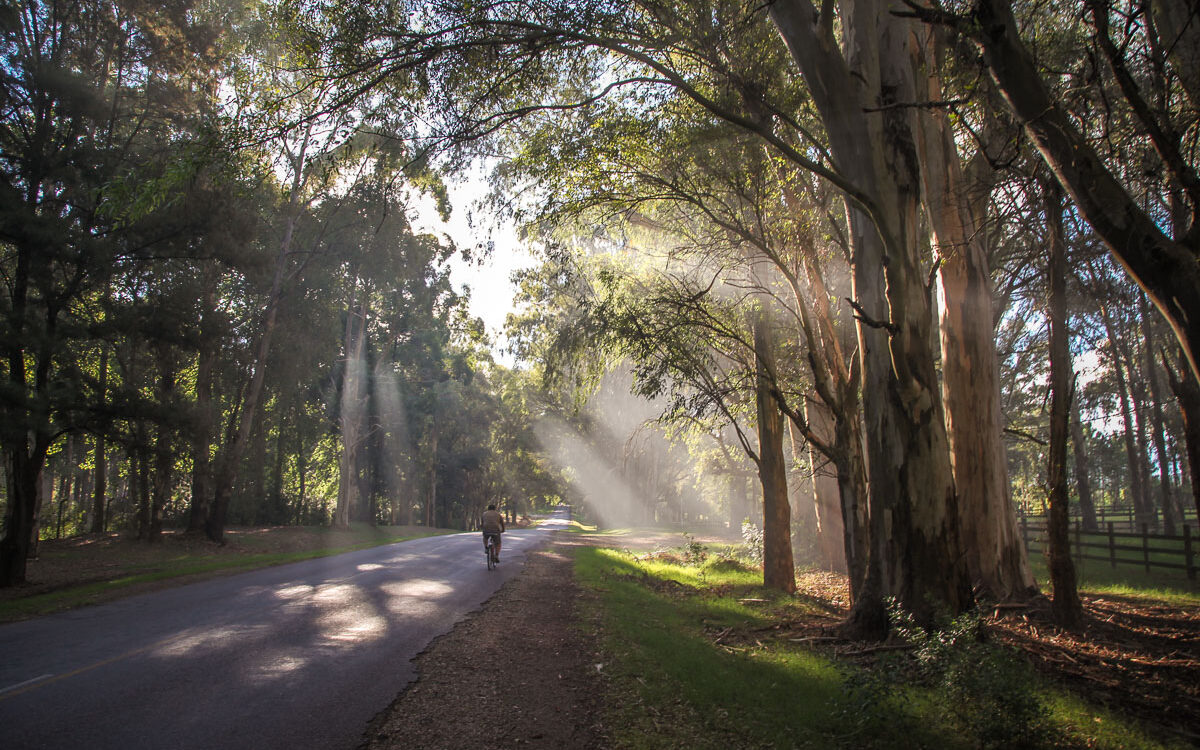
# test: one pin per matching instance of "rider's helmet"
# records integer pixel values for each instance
(492, 506)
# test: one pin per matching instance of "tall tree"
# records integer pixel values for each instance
(955, 199)
(1163, 263)
(1068, 612)
(860, 87)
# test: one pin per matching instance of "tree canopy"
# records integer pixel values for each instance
(901, 270)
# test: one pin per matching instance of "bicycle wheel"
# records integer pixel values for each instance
(491, 559)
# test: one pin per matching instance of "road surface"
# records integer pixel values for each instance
(295, 656)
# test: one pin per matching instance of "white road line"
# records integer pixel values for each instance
(23, 684)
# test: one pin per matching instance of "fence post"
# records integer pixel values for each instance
(1188, 560)
(1146, 545)
(1112, 544)
(1025, 530)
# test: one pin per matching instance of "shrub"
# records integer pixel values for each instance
(983, 690)
(752, 537)
(693, 551)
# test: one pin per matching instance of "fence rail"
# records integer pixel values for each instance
(1166, 551)
(1125, 518)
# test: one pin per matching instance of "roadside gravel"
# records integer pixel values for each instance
(521, 672)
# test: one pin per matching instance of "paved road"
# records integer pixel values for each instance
(296, 656)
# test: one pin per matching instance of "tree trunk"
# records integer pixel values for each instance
(279, 512)
(202, 432)
(164, 450)
(1158, 427)
(1083, 482)
(139, 487)
(779, 570)
(996, 555)
(100, 483)
(1187, 394)
(226, 474)
(827, 499)
(253, 486)
(63, 496)
(302, 471)
(915, 551)
(836, 383)
(431, 500)
(44, 495)
(1137, 394)
(160, 490)
(352, 417)
(24, 448)
(1137, 487)
(1068, 612)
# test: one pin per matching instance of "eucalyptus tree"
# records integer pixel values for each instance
(1147, 81)
(862, 84)
(1068, 611)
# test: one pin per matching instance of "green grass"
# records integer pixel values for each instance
(578, 527)
(699, 657)
(1078, 719)
(1130, 568)
(1101, 579)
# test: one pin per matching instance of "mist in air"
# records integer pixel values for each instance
(622, 466)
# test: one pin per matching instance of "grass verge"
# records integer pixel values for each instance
(85, 571)
(1100, 579)
(700, 656)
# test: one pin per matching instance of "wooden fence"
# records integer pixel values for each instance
(1138, 548)
(1124, 518)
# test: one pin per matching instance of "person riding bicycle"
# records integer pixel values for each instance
(493, 526)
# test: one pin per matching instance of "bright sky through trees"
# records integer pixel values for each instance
(488, 275)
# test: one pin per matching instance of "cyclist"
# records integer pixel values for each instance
(493, 526)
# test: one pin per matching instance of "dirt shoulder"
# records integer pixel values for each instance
(521, 672)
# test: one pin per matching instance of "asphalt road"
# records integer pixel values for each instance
(295, 656)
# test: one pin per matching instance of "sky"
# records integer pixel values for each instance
(490, 280)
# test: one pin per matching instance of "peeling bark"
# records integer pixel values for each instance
(915, 553)
(991, 540)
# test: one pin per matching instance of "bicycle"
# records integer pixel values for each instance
(489, 549)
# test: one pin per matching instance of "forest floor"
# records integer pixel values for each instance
(1136, 656)
(530, 658)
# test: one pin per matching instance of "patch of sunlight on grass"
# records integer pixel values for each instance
(1091, 726)
(1127, 582)
(615, 532)
(750, 691)
(698, 657)
(1168, 595)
